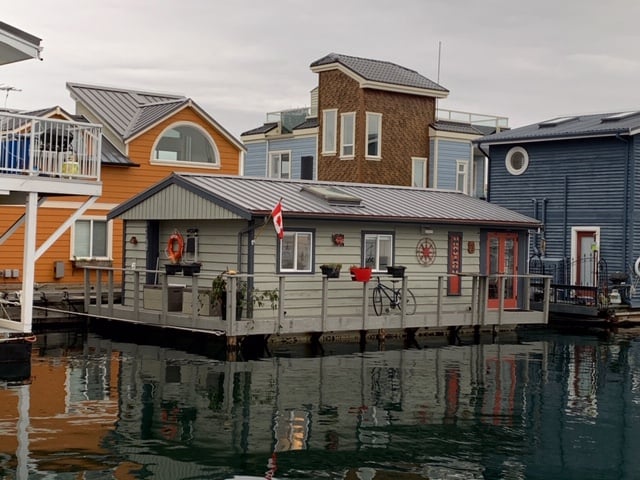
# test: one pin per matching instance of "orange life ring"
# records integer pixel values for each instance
(175, 254)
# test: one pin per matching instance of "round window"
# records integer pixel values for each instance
(517, 161)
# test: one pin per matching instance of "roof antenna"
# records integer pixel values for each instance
(7, 89)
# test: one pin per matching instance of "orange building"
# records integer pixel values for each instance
(146, 136)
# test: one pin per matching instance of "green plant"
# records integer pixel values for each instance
(260, 297)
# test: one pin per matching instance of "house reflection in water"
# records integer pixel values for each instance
(134, 410)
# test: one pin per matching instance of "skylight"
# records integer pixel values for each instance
(332, 195)
(556, 121)
(620, 116)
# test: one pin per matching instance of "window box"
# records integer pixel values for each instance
(188, 269)
(331, 270)
(173, 268)
(396, 271)
(89, 262)
(360, 274)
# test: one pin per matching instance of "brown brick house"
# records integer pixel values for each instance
(373, 119)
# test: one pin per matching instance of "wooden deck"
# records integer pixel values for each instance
(312, 304)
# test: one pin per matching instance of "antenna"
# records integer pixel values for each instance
(439, 52)
(7, 89)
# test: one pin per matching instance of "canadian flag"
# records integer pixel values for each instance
(276, 214)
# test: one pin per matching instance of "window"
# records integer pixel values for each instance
(91, 239)
(347, 134)
(378, 250)
(374, 127)
(280, 164)
(186, 143)
(462, 184)
(329, 120)
(296, 252)
(419, 172)
(517, 161)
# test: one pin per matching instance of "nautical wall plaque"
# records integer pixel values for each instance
(426, 251)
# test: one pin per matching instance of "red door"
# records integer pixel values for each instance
(502, 258)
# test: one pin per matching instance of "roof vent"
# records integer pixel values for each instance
(555, 121)
(619, 116)
(333, 196)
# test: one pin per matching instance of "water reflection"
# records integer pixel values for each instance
(545, 405)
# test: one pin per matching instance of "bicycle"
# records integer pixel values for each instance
(394, 296)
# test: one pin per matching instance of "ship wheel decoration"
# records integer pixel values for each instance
(426, 251)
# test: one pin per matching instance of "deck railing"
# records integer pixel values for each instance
(314, 303)
(50, 147)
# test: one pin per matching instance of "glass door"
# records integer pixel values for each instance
(503, 259)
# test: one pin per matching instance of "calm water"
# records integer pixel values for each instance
(536, 405)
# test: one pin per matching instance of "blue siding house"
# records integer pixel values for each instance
(578, 175)
(284, 147)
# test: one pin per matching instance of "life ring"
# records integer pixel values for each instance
(636, 267)
(175, 254)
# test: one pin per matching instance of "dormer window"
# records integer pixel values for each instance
(186, 143)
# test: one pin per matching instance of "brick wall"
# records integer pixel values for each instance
(405, 122)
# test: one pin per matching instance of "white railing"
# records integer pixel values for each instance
(472, 118)
(49, 147)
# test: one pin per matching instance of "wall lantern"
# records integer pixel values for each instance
(133, 241)
(338, 239)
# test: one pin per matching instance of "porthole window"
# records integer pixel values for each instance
(517, 161)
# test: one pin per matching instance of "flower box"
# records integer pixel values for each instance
(360, 274)
(331, 271)
(396, 270)
(173, 268)
(188, 269)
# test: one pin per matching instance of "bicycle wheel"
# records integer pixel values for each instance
(410, 307)
(377, 300)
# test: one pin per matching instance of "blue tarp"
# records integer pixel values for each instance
(14, 153)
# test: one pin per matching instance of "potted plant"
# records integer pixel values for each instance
(331, 270)
(396, 271)
(360, 274)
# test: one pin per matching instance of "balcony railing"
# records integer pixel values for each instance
(49, 147)
(472, 118)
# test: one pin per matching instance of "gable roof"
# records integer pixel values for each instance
(129, 113)
(249, 196)
(579, 126)
(380, 74)
(17, 45)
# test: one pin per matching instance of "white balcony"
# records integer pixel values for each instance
(480, 119)
(45, 155)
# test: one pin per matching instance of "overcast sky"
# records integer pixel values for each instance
(526, 60)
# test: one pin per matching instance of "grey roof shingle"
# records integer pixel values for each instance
(126, 112)
(249, 196)
(380, 71)
(308, 123)
(267, 127)
(112, 156)
(456, 127)
(595, 125)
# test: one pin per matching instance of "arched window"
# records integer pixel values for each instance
(186, 143)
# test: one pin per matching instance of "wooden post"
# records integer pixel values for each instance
(136, 291)
(323, 307)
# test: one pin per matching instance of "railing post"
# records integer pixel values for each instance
(547, 294)
(502, 284)
(474, 300)
(323, 307)
(195, 299)
(403, 301)
(527, 293)
(365, 313)
(439, 301)
(110, 292)
(281, 290)
(136, 292)
(165, 299)
(87, 289)
(98, 273)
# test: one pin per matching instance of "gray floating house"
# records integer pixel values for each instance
(465, 259)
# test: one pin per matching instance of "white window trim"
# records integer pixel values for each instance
(366, 137)
(182, 163)
(465, 185)
(378, 236)
(507, 161)
(325, 113)
(270, 160)
(414, 161)
(109, 237)
(295, 256)
(353, 136)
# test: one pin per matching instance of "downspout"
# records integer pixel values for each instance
(626, 214)
(565, 220)
(250, 251)
(486, 170)
(544, 224)
(534, 202)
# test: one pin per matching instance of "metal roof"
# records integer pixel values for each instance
(455, 127)
(249, 196)
(112, 156)
(380, 71)
(595, 125)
